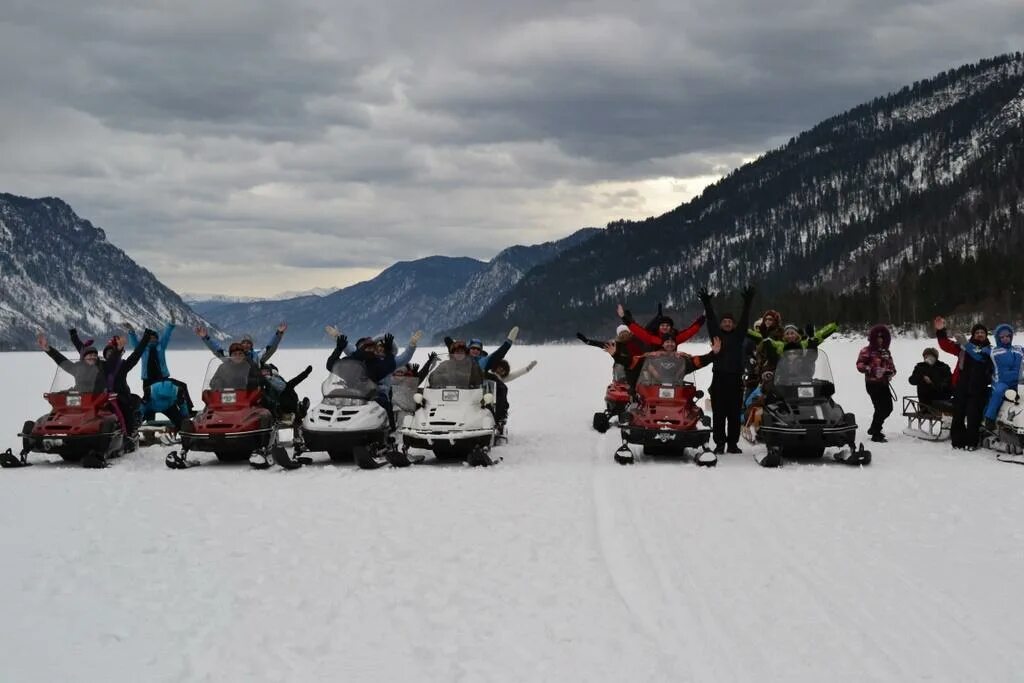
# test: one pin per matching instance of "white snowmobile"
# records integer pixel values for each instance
(349, 424)
(453, 417)
(1008, 437)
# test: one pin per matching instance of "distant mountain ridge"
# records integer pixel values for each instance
(429, 294)
(865, 216)
(58, 270)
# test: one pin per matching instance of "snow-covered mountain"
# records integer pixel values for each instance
(429, 294)
(58, 270)
(901, 208)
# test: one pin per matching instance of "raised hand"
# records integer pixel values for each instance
(120, 342)
(716, 345)
(609, 347)
(202, 331)
(389, 343)
(748, 293)
(282, 327)
(41, 341)
(174, 317)
(939, 322)
(704, 295)
(332, 331)
(513, 333)
(582, 337)
(128, 326)
(415, 338)
(531, 365)
(620, 310)
(342, 340)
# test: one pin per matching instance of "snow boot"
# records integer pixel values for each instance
(733, 448)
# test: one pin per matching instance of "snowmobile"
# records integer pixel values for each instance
(81, 426)
(930, 422)
(233, 424)
(616, 398)
(665, 418)
(348, 423)
(1007, 438)
(800, 419)
(453, 417)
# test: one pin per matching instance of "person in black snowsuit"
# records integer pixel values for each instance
(279, 396)
(971, 393)
(932, 378)
(727, 374)
(377, 367)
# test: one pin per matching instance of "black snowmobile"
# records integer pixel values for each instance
(800, 418)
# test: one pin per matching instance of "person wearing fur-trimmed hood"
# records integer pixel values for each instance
(876, 364)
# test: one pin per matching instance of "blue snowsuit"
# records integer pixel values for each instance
(159, 347)
(1006, 365)
(161, 393)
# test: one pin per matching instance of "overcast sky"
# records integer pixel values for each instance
(249, 147)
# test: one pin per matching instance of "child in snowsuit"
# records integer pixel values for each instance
(875, 363)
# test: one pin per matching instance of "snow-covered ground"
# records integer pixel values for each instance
(556, 565)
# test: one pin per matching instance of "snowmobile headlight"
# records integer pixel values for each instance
(450, 395)
(488, 399)
(227, 397)
(805, 392)
(74, 400)
(418, 399)
(1010, 395)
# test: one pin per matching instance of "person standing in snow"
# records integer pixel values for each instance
(970, 384)
(876, 364)
(1006, 360)
(932, 378)
(727, 374)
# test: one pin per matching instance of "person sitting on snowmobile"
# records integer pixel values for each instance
(253, 356)
(932, 378)
(377, 367)
(771, 350)
(460, 370)
(876, 364)
(754, 404)
(631, 346)
(236, 372)
(279, 395)
(669, 347)
(970, 385)
(501, 374)
(665, 326)
(1006, 360)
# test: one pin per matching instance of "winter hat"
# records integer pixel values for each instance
(931, 352)
(87, 350)
(363, 341)
(476, 343)
(457, 345)
(665, 319)
(235, 346)
(730, 316)
(621, 329)
(978, 326)
(246, 338)
(791, 326)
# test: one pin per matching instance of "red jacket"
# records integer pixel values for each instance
(655, 340)
(950, 346)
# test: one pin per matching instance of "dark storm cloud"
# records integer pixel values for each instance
(321, 137)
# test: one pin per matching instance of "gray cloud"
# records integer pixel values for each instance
(236, 145)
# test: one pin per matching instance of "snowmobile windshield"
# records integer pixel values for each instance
(224, 373)
(455, 373)
(80, 377)
(804, 374)
(667, 369)
(618, 373)
(348, 379)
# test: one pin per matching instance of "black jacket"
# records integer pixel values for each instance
(941, 378)
(974, 375)
(731, 358)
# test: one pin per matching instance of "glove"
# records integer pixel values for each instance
(809, 331)
(531, 365)
(433, 356)
(627, 317)
(748, 293)
(389, 344)
(704, 295)
(341, 341)
(700, 319)
(513, 333)
(581, 337)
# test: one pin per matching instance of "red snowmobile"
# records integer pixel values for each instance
(616, 398)
(665, 419)
(233, 425)
(81, 426)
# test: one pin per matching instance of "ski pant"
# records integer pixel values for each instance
(726, 407)
(881, 399)
(384, 401)
(129, 405)
(967, 412)
(995, 400)
(500, 401)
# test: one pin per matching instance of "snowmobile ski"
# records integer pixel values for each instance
(853, 456)
(369, 458)
(771, 457)
(9, 460)
(480, 457)
(93, 461)
(261, 461)
(400, 457)
(624, 455)
(706, 458)
(285, 461)
(1010, 457)
(176, 461)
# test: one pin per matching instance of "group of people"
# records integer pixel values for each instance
(744, 359)
(246, 366)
